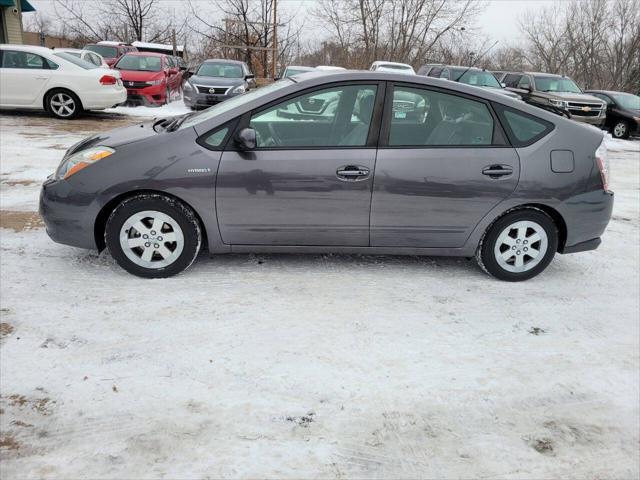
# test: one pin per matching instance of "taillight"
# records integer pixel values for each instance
(602, 160)
(108, 80)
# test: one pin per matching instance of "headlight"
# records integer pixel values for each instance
(155, 82)
(239, 89)
(637, 119)
(76, 162)
(558, 103)
(187, 86)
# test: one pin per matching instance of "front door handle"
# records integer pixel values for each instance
(352, 172)
(497, 171)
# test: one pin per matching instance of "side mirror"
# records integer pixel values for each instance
(503, 85)
(246, 139)
(250, 76)
(275, 79)
(173, 71)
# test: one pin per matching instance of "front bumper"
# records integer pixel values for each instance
(596, 121)
(195, 99)
(151, 95)
(68, 217)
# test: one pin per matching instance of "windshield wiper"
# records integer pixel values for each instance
(176, 122)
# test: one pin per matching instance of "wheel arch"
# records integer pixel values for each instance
(103, 215)
(555, 215)
(57, 88)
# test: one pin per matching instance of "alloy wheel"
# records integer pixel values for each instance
(620, 130)
(151, 239)
(521, 246)
(62, 104)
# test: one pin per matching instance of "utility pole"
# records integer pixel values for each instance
(274, 66)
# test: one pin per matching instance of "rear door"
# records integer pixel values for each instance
(309, 180)
(443, 164)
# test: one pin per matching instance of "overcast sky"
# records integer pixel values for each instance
(498, 21)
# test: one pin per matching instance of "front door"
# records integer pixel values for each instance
(23, 76)
(442, 166)
(309, 179)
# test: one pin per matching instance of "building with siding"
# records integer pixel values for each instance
(11, 20)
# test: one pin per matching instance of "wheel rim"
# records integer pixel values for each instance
(521, 246)
(63, 104)
(620, 129)
(151, 239)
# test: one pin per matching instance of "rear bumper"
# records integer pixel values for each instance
(583, 246)
(104, 99)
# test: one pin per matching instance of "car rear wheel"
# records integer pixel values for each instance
(519, 245)
(63, 104)
(620, 130)
(153, 236)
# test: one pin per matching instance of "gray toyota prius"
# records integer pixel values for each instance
(348, 162)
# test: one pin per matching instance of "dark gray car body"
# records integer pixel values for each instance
(426, 201)
(203, 91)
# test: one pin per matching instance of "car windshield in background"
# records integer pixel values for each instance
(140, 63)
(556, 84)
(388, 66)
(224, 70)
(293, 71)
(105, 51)
(233, 103)
(70, 57)
(477, 79)
(627, 100)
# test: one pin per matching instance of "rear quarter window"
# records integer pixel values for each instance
(522, 129)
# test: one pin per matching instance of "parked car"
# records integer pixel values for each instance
(329, 68)
(110, 51)
(426, 69)
(468, 172)
(559, 92)
(86, 55)
(623, 112)
(474, 76)
(150, 78)
(215, 81)
(381, 66)
(58, 82)
(292, 70)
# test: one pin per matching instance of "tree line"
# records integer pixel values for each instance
(596, 42)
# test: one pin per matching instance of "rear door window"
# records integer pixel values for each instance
(426, 118)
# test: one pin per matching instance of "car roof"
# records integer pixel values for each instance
(28, 48)
(65, 49)
(304, 67)
(384, 62)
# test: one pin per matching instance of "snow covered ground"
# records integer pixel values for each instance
(320, 366)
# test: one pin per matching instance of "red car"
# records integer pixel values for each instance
(150, 78)
(111, 51)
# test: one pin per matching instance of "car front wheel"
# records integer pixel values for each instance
(620, 130)
(153, 236)
(519, 245)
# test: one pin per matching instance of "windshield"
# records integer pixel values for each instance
(391, 66)
(233, 102)
(224, 70)
(71, 57)
(627, 100)
(140, 63)
(556, 84)
(290, 72)
(477, 78)
(105, 51)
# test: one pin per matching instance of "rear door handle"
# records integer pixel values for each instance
(352, 172)
(497, 171)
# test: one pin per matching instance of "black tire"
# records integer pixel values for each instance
(53, 97)
(486, 255)
(177, 211)
(620, 129)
